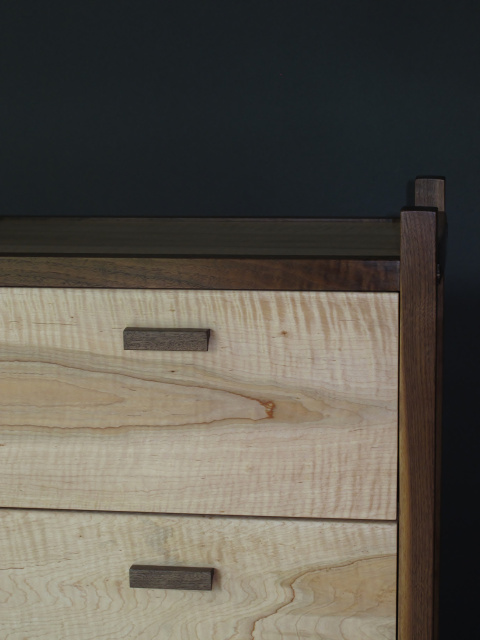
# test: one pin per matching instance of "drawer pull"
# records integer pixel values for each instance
(136, 338)
(144, 576)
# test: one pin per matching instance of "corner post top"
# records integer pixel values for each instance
(430, 192)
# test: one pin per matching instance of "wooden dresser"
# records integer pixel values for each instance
(221, 429)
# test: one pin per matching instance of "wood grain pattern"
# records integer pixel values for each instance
(282, 274)
(142, 339)
(438, 456)
(305, 237)
(148, 576)
(291, 412)
(418, 426)
(430, 192)
(65, 575)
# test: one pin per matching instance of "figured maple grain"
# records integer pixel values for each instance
(291, 412)
(66, 575)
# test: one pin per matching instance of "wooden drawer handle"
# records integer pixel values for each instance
(144, 576)
(137, 338)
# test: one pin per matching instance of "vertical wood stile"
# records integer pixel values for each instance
(438, 466)
(420, 342)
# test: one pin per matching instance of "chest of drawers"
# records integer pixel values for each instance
(220, 429)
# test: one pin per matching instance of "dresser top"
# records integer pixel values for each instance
(190, 237)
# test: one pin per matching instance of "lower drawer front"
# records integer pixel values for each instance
(66, 575)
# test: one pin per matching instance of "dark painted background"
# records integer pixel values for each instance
(265, 108)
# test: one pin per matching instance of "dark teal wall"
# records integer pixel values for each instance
(264, 108)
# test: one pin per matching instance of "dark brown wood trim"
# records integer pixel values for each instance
(438, 454)
(430, 192)
(419, 342)
(157, 339)
(302, 274)
(200, 237)
(187, 578)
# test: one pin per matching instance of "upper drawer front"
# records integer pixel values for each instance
(292, 411)
(66, 575)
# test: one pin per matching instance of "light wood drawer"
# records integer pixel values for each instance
(292, 411)
(66, 575)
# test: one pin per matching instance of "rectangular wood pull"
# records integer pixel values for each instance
(138, 338)
(144, 576)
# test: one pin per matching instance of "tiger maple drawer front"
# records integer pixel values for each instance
(291, 411)
(66, 575)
